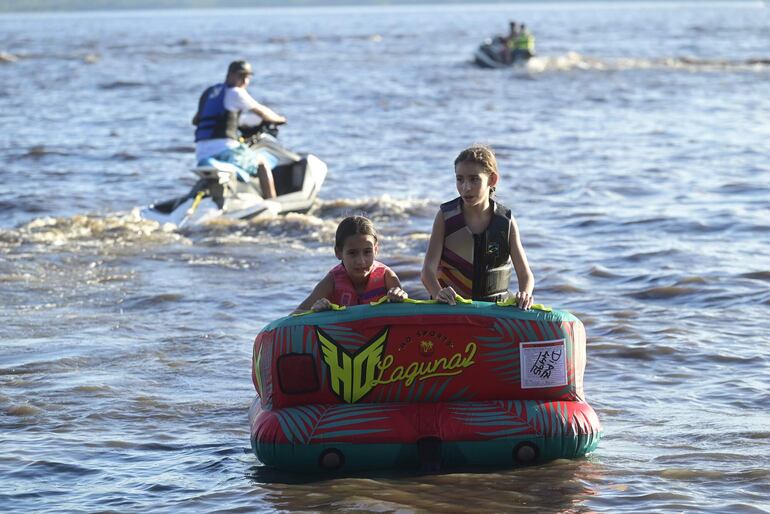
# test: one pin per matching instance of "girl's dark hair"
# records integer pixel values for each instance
(351, 226)
(480, 154)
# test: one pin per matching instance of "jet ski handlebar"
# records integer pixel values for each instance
(263, 128)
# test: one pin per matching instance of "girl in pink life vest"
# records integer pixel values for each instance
(358, 279)
(474, 245)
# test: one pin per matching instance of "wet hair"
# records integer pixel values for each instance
(479, 154)
(482, 155)
(352, 226)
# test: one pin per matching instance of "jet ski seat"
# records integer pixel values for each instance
(210, 168)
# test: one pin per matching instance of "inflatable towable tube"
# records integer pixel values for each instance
(420, 385)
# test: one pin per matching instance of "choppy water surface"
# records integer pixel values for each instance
(634, 155)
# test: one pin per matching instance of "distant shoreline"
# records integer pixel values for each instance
(31, 6)
(8, 6)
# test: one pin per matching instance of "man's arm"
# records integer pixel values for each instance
(242, 101)
(268, 114)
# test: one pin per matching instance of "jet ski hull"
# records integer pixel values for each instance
(224, 191)
(489, 55)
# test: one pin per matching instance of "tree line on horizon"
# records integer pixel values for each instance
(99, 5)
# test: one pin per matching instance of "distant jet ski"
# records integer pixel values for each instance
(225, 190)
(490, 53)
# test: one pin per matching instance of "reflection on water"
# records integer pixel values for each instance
(559, 486)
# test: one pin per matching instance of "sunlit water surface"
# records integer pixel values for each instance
(633, 153)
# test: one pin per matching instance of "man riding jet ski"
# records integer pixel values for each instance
(240, 177)
(514, 49)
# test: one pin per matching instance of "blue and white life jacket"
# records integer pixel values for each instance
(214, 121)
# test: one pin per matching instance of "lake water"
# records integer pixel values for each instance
(634, 156)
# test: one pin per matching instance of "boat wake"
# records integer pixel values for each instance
(576, 61)
(122, 229)
(81, 230)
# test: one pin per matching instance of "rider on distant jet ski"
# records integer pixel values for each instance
(524, 45)
(216, 133)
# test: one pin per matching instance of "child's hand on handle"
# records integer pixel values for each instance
(446, 295)
(396, 294)
(322, 304)
(524, 300)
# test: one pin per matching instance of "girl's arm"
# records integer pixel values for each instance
(524, 274)
(318, 299)
(393, 286)
(431, 262)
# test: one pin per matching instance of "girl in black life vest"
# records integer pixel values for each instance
(475, 245)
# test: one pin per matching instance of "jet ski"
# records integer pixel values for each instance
(490, 53)
(225, 190)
